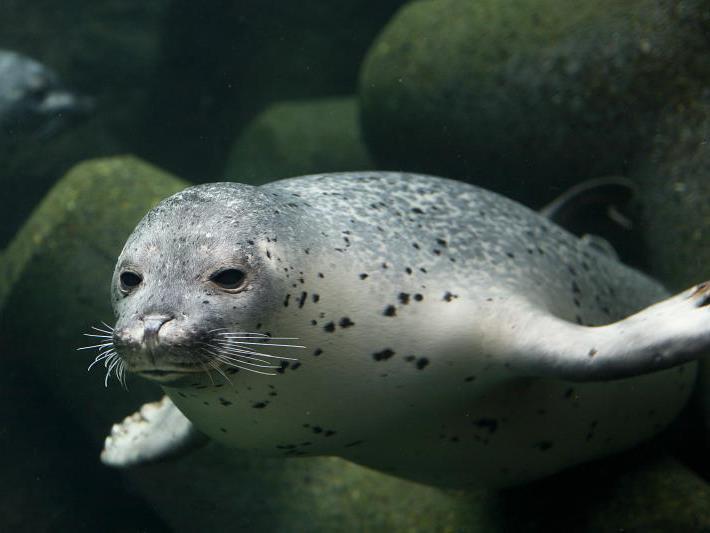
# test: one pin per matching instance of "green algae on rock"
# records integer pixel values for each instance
(299, 137)
(525, 97)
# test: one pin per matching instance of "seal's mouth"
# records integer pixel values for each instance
(220, 350)
(163, 376)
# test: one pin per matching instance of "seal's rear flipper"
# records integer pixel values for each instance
(664, 335)
(156, 432)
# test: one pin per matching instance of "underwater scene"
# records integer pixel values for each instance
(355, 266)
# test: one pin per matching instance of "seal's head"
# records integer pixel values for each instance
(33, 101)
(194, 284)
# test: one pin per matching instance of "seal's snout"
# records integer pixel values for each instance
(151, 328)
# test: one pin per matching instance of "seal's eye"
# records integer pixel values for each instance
(129, 281)
(229, 278)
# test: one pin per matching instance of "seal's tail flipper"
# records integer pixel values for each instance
(158, 431)
(666, 334)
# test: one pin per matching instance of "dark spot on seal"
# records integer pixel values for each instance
(223, 430)
(259, 405)
(355, 443)
(491, 424)
(329, 433)
(422, 362)
(320, 275)
(403, 298)
(418, 297)
(302, 299)
(317, 352)
(416, 246)
(345, 322)
(329, 327)
(286, 300)
(315, 298)
(390, 311)
(408, 271)
(469, 379)
(448, 296)
(442, 242)
(317, 429)
(417, 211)
(363, 276)
(224, 402)
(592, 352)
(409, 358)
(383, 355)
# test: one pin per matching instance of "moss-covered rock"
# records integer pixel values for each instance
(526, 96)
(640, 490)
(299, 137)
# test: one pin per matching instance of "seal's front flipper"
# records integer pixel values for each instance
(156, 432)
(664, 335)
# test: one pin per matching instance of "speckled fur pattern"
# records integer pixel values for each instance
(411, 294)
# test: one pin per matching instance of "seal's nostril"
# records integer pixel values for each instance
(152, 325)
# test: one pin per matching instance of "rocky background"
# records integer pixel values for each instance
(523, 97)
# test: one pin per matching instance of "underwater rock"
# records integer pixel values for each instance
(674, 192)
(299, 137)
(641, 490)
(224, 62)
(105, 49)
(526, 97)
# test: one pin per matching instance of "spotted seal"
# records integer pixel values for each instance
(33, 100)
(446, 334)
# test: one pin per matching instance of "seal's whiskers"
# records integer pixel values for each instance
(245, 353)
(107, 353)
(229, 363)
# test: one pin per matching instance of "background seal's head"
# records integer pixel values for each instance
(195, 276)
(33, 101)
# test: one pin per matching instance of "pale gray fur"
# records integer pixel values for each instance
(441, 321)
